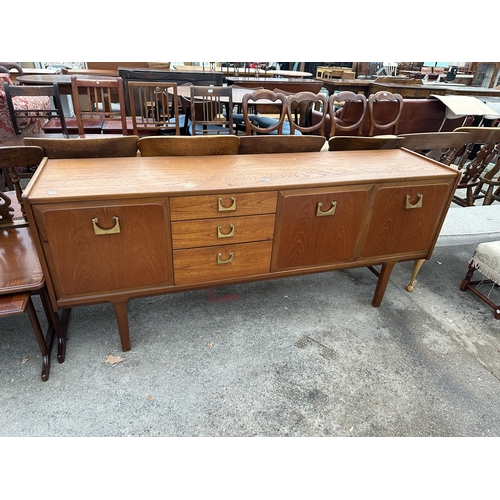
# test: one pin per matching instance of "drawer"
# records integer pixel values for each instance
(221, 262)
(210, 232)
(222, 205)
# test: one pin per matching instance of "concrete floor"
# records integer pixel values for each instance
(304, 356)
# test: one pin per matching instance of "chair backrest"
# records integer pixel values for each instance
(354, 143)
(98, 99)
(200, 145)
(12, 160)
(208, 105)
(299, 111)
(264, 96)
(44, 102)
(86, 147)
(357, 102)
(264, 144)
(440, 146)
(154, 107)
(392, 104)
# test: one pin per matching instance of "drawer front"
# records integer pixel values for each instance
(133, 250)
(318, 227)
(227, 231)
(405, 219)
(221, 262)
(223, 205)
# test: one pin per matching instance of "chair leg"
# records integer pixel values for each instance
(468, 284)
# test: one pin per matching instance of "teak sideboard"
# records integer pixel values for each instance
(108, 230)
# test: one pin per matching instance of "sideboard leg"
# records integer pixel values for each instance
(413, 281)
(383, 279)
(123, 328)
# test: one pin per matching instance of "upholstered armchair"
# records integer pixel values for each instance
(29, 125)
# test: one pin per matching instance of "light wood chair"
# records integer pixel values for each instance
(86, 147)
(202, 145)
(355, 143)
(264, 144)
(154, 108)
(384, 109)
(299, 112)
(53, 113)
(347, 100)
(21, 275)
(99, 103)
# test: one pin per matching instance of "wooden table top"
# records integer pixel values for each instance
(59, 78)
(286, 84)
(20, 269)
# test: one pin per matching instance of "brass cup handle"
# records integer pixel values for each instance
(227, 261)
(417, 205)
(114, 230)
(320, 213)
(225, 209)
(220, 234)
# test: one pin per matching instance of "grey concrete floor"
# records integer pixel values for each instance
(302, 356)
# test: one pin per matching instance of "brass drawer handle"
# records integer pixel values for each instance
(220, 234)
(114, 230)
(320, 213)
(227, 261)
(417, 205)
(225, 209)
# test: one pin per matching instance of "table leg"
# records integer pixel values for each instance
(416, 268)
(383, 279)
(123, 327)
(44, 343)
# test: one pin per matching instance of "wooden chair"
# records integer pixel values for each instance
(98, 103)
(201, 145)
(86, 147)
(21, 274)
(299, 111)
(211, 110)
(488, 140)
(441, 146)
(263, 124)
(355, 143)
(154, 108)
(384, 110)
(54, 113)
(264, 144)
(347, 100)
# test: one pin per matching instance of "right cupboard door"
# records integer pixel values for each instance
(405, 219)
(317, 227)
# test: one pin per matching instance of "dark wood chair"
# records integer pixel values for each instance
(99, 105)
(86, 147)
(264, 144)
(211, 110)
(201, 145)
(154, 108)
(350, 100)
(299, 112)
(257, 123)
(355, 143)
(21, 275)
(384, 109)
(53, 114)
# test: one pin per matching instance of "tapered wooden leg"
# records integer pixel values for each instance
(123, 328)
(383, 279)
(413, 281)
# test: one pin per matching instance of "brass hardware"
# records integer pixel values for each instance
(225, 209)
(228, 235)
(320, 213)
(114, 230)
(417, 205)
(228, 261)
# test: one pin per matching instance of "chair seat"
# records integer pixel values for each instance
(267, 121)
(486, 259)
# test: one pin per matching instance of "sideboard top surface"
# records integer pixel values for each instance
(105, 178)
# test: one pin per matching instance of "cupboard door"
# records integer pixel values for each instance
(318, 227)
(96, 249)
(405, 219)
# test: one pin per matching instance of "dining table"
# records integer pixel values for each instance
(286, 84)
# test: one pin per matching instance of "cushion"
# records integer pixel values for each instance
(486, 259)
